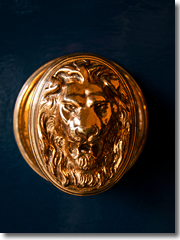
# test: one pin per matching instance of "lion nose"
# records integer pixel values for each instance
(88, 125)
(86, 133)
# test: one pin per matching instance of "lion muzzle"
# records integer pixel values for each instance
(88, 127)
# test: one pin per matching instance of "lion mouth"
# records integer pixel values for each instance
(82, 155)
(85, 155)
(75, 149)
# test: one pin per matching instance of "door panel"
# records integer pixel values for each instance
(137, 35)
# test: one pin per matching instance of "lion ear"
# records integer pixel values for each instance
(115, 108)
(60, 77)
(114, 81)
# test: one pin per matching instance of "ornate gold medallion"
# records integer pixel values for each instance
(80, 122)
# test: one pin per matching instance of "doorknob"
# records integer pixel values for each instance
(80, 122)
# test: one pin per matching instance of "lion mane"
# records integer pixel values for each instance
(52, 138)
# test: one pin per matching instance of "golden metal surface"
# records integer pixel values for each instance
(80, 122)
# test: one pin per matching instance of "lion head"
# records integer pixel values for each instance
(83, 124)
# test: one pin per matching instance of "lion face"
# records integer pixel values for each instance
(85, 113)
(83, 124)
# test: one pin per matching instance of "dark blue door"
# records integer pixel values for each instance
(139, 36)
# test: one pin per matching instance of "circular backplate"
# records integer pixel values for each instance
(80, 122)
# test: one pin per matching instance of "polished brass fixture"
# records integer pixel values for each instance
(80, 122)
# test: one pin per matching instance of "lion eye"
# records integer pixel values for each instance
(101, 108)
(69, 107)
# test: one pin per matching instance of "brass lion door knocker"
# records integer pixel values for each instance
(80, 122)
